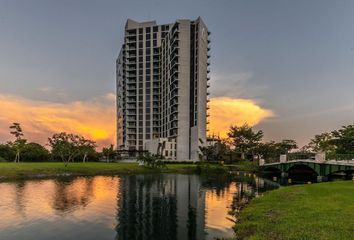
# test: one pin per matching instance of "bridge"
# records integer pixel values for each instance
(319, 165)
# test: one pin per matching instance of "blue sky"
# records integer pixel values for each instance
(295, 58)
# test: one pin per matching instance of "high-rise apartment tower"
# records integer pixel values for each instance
(162, 88)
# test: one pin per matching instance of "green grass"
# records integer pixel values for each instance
(31, 170)
(317, 211)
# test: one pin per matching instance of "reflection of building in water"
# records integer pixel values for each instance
(161, 207)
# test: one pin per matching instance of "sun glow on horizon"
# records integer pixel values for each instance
(95, 118)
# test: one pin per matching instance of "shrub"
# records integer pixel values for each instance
(152, 160)
(7, 153)
(33, 152)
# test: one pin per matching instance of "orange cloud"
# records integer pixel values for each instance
(225, 111)
(94, 119)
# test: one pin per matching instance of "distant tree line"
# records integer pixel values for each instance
(65, 147)
(244, 143)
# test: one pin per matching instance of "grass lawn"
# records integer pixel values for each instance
(317, 211)
(28, 170)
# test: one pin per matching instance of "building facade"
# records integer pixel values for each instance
(162, 88)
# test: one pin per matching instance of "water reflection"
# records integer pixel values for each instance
(166, 206)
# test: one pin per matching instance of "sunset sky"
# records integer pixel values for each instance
(286, 67)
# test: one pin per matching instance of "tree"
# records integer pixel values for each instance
(7, 152)
(322, 143)
(34, 152)
(19, 143)
(108, 152)
(244, 139)
(286, 145)
(343, 140)
(216, 150)
(268, 151)
(69, 146)
(272, 150)
(86, 147)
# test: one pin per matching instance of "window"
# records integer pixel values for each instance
(140, 44)
(140, 30)
(147, 37)
(147, 30)
(156, 29)
(140, 37)
(147, 136)
(154, 35)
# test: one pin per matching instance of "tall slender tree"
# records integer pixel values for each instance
(20, 142)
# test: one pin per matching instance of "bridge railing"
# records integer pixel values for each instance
(300, 156)
(339, 157)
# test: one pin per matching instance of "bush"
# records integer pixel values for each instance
(7, 153)
(33, 152)
(152, 160)
(2, 159)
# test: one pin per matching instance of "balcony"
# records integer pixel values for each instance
(131, 55)
(131, 93)
(131, 107)
(174, 110)
(130, 131)
(173, 102)
(131, 119)
(131, 125)
(131, 75)
(173, 72)
(131, 69)
(131, 112)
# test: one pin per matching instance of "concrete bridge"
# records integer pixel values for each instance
(318, 165)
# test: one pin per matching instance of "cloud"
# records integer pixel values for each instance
(235, 85)
(225, 111)
(94, 119)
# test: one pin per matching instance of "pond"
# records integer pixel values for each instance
(159, 206)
